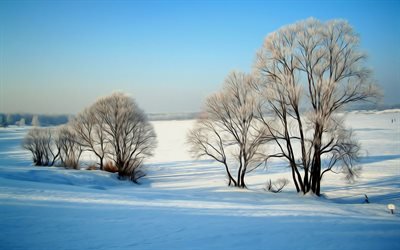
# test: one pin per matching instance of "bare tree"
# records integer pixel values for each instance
(277, 186)
(3, 120)
(207, 139)
(131, 137)
(35, 121)
(10, 120)
(70, 148)
(21, 122)
(228, 132)
(310, 71)
(41, 143)
(90, 130)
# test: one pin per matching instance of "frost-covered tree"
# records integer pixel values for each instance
(131, 138)
(9, 120)
(310, 71)
(21, 122)
(35, 121)
(2, 120)
(228, 130)
(41, 143)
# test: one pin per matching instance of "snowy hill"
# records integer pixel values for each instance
(185, 204)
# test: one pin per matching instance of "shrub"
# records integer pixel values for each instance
(277, 186)
(92, 167)
(110, 167)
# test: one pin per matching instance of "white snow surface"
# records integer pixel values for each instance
(185, 204)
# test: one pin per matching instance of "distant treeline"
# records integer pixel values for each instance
(8, 119)
(172, 116)
(373, 106)
(26, 119)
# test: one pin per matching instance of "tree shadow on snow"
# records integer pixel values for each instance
(381, 191)
(377, 158)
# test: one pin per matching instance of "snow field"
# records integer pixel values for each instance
(185, 204)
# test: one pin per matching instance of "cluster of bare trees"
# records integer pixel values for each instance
(49, 145)
(114, 129)
(304, 75)
(42, 144)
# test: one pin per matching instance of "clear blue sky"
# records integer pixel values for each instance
(59, 56)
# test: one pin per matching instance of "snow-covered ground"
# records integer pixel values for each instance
(185, 204)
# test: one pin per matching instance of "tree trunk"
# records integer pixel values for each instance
(316, 173)
(101, 163)
(242, 183)
(316, 163)
(239, 175)
(295, 180)
(231, 179)
(306, 181)
(318, 190)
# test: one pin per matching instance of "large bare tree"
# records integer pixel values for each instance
(310, 71)
(130, 136)
(228, 130)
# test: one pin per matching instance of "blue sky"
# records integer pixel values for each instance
(59, 56)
